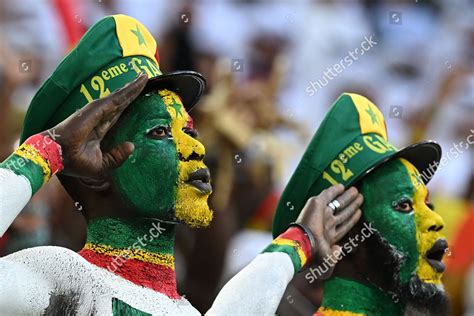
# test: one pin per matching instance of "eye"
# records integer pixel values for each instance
(404, 205)
(159, 132)
(191, 132)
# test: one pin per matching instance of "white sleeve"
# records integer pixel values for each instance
(257, 289)
(15, 192)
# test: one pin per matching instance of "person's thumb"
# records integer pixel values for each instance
(117, 156)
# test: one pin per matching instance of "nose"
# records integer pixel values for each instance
(190, 148)
(435, 228)
(433, 221)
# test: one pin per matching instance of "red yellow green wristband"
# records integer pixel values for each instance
(296, 244)
(49, 150)
(37, 159)
(44, 152)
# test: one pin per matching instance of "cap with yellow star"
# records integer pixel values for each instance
(350, 143)
(110, 55)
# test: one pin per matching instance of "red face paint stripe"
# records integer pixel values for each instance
(156, 277)
(190, 122)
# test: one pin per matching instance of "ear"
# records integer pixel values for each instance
(98, 185)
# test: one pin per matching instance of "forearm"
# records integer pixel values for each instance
(23, 173)
(259, 287)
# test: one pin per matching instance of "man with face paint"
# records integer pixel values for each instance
(125, 149)
(390, 262)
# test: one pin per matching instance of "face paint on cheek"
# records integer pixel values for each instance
(428, 226)
(380, 189)
(147, 181)
(191, 204)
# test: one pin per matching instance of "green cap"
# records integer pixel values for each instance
(111, 54)
(350, 142)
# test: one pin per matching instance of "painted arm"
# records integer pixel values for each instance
(24, 172)
(258, 288)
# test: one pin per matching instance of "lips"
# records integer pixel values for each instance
(435, 255)
(200, 179)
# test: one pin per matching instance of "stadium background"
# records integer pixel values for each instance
(272, 74)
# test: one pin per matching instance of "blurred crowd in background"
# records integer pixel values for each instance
(272, 75)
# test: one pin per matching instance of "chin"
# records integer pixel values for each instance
(424, 298)
(422, 294)
(192, 207)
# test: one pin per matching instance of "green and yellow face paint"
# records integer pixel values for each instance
(431, 244)
(193, 187)
(396, 203)
(165, 177)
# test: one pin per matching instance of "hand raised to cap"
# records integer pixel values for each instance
(80, 134)
(327, 226)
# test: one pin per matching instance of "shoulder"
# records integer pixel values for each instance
(49, 258)
(46, 279)
(75, 284)
(61, 267)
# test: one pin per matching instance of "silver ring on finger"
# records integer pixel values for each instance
(334, 205)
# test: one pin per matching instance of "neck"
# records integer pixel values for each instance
(139, 250)
(354, 298)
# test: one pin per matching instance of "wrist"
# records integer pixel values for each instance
(48, 149)
(309, 240)
(294, 242)
(37, 159)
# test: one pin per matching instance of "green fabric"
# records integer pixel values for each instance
(120, 308)
(96, 48)
(338, 153)
(59, 95)
(289, 250)
(350, 164)
(106, 80)
(26, 168)
(345, 295)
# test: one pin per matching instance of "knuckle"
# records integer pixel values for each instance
(93, 103)
(328, 212)
(315, 202)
